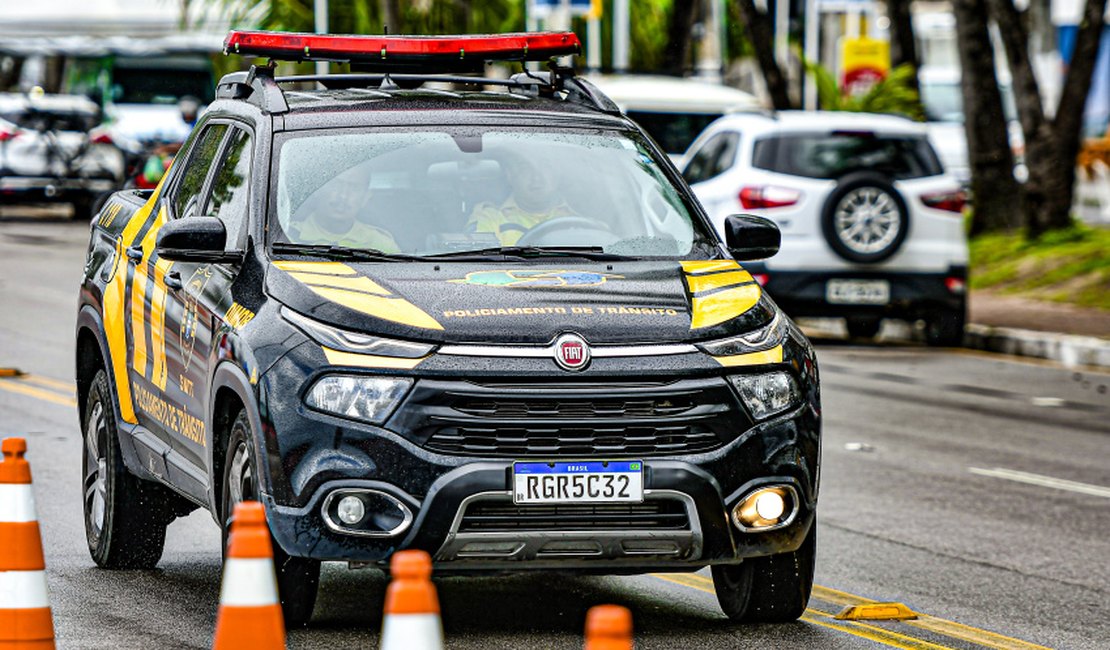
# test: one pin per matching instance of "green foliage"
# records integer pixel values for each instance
(895, 94)
(1067, 265)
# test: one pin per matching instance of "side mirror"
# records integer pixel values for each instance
(749, 237)
(193, 239)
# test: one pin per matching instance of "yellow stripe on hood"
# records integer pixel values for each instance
(341, 284)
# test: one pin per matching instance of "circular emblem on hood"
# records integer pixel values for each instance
(572, 352)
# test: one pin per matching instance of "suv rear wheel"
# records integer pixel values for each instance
(945, 328)
(863, 327)
(125, 516)
(772, 589)
(298, 578)
(865, 219)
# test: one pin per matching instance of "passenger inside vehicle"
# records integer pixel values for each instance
(535, 197)
(335, 214)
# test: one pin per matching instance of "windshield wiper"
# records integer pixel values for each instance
(342, 252)
(586, 252)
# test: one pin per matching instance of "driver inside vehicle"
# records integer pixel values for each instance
(334, 216)
(535, 197)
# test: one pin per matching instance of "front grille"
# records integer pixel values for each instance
(573, 441)
(571, 420)
(596, 408)
(495, 516)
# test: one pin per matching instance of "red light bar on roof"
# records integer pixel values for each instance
(286, 46)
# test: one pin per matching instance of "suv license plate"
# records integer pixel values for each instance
(613, 481)
(857, 292)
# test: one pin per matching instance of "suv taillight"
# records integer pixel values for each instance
(760, 198)
(951, 201)
(101, 138)
(6, 135)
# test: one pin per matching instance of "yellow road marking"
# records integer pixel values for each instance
(822, 619)
(31, 391)
(926, 622)
(66, 386)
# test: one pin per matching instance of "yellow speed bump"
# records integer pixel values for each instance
(876, 612)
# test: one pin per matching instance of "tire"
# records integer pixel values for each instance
(945, 328)
(772, 589)
(882, 227)
(298, 578)
(863, 327)
(125, 516)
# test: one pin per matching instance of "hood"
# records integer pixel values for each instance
(525, 303)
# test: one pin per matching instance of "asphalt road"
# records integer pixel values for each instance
(973, 488)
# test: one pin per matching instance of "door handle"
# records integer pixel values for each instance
(135, 253)
(173, 280)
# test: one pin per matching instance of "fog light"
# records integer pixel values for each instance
(351, 510)
(770, 505)
(766, 508)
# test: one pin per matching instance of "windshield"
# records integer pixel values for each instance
(458, 189)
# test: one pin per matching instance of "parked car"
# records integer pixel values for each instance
(673, 110)
(871, 223)
(54, 149)
(943, 101)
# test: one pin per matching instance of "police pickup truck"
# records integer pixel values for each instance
(419, 308)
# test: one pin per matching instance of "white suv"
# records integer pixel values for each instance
(871, 223)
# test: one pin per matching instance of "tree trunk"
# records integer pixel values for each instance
(761, 33)
(903, 48)
(1067, 125)
(996, 194)
(676, 56)
(391, 16)
(1050, 147)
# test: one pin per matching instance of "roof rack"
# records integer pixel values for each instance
(260, 85)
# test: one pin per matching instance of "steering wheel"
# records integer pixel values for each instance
(538, 231)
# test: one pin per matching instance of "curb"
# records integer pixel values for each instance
(1067, 349)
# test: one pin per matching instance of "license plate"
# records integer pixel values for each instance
(611, 481)
(857, 292)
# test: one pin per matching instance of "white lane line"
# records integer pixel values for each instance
(1043, 481)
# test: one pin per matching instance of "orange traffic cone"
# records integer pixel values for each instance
(411, 606)
(25, 619)
(250, 616)
(608, 627)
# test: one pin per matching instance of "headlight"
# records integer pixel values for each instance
(366, 398)
(758, 340)
(348, 341)
(766, 394)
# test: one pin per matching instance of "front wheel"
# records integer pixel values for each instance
(772, 589)
(298, 578)
(125, 516)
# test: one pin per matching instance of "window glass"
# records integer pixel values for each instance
(231, 187)
(455, 189)
(674, 132)
(833, 155)
(714, 158)
(186, 203)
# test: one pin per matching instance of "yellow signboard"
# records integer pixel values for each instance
(864, 62)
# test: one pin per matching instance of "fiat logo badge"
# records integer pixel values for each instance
(571, 352)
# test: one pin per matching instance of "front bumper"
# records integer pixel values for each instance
(704, 487)
(447, 454)
(912, 295)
